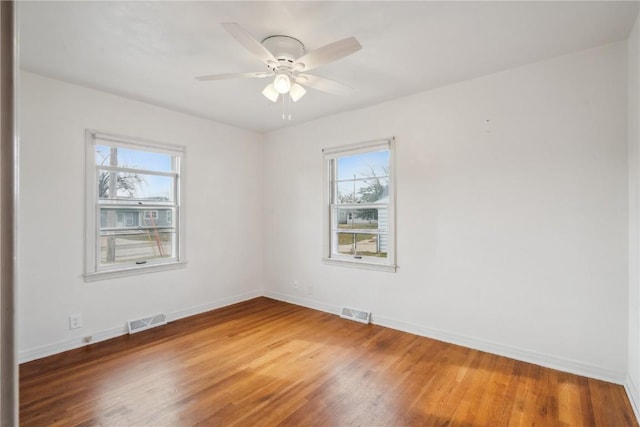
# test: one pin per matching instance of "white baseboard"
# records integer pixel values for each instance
(77, 342)
(632, 393)
(69, 344)
(304, 302)
(522, 354)
(512, 352)
(203, 308)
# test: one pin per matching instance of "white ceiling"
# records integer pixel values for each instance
(151, 51)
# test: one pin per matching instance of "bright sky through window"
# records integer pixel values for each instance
(349, 166)
(151, 185)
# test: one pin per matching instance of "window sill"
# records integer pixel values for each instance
(126, 272)
(391, 268)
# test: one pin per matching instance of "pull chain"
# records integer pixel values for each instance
(286, 100)
(283, 97)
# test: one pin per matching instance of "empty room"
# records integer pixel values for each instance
(321, 213)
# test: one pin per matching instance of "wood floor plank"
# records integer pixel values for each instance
(267, 363)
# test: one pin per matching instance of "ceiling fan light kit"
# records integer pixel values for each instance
(285, 58)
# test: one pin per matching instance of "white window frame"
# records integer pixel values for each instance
(330, 256)
(93, 270)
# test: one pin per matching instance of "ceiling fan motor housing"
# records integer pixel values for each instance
(284, 48)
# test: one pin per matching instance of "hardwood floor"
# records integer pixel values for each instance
(265, 362)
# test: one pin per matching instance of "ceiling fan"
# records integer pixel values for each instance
(285, 58)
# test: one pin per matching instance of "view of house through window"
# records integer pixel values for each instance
(136, 204)
(360, 203)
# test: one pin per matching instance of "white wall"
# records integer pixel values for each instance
(511, 212)
(633, 58)
(223, 202)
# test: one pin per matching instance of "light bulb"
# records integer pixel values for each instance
(282, 83)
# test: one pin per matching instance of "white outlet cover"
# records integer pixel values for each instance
(75, 321)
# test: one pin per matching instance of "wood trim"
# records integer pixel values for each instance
(8, 367)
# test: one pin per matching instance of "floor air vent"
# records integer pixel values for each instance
(357, 315)
(147, 323)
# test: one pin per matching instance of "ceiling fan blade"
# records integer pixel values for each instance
(325, 85)
(250, 43)
(258, 75)
(329, 53)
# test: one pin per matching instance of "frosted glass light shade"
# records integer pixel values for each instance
(271, 93)
(296, 92)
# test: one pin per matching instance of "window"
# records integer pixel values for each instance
(360, 203)
(132, 186)
(149, 215)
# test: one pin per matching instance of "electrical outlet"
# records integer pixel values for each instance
(75, 321)
(87, 339)
(296, 284)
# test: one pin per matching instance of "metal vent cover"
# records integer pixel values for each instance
(357, 315)
(138, 325)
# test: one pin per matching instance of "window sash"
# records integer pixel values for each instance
(359, 205)
(137, 203)
(129, 230)
(135, 170)
(336, 231)
(358, 231)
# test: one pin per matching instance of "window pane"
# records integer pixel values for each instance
(135, 186)
(345, 192)
(136, 245)
(358, 218)
(364, 165)
(115, 219)
(137, 159)
(373, 190)
(362, 244)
